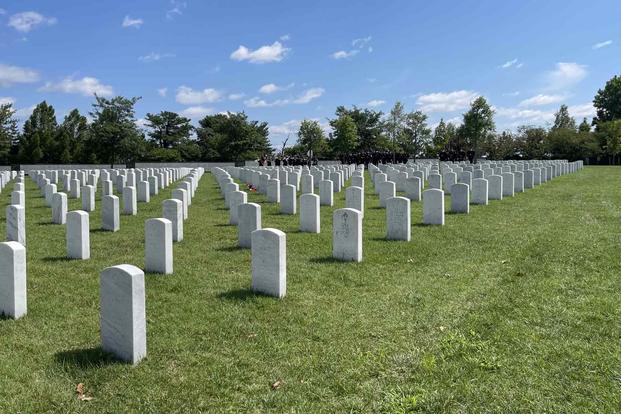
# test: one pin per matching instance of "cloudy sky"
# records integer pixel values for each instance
(284, 61)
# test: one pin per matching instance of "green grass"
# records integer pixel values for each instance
(512, 308)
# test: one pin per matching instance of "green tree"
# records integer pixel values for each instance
(168, 129)
(607, 102)
(232, 137)
(311, 138)
(609, 134)
(369, 127)
(562, 119)
(115, 134)
(8, 132)
(395, 124)
(38, 140)
(344, 138)
(584, 126)
(73, 137)
(478, 124)
(416, 135)
(531, 142)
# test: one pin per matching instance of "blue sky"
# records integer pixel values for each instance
(284, 61)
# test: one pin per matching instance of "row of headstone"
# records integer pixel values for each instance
(122, 288)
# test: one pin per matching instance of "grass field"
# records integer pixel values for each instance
(512, 308)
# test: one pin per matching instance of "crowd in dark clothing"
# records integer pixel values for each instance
(286, 161)
(374, 157)
(456, 155)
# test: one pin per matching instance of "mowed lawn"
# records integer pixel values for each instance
(512, 308)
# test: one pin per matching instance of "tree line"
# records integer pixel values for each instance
(113, 136)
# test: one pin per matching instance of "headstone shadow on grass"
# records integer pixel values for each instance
(239, 294)
(86, 358)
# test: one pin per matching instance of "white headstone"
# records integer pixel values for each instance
(386, 191)
(249, 220)
(413, 188)
(59, 208)
(110, 213)
(235, 199)
(479, 191)
(433, 206)
(288, 199)
(130, 203)
(347, 235)
(309, 213)
(13, 293)
(172, 210)
(78, 235)
(122, 312)
(326, 196)
(398, 219)
(16, 224)
(495, 187)
(269, 262)
(354, 198)
(158, 246)
(460, 198)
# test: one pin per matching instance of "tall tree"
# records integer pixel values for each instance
(531, 142)
(584, 126)
(168, 129)
(478, 124)
(73, 137)
(311, 137)
(395, 123)
(416, 135)
(609, 134)
(38, 141)
(232, 137)
(344, 138)
(8, 132)
(607, 101)
(114, 129)
(369, 126)
(562, 119)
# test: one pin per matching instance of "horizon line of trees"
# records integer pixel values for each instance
(113, 136)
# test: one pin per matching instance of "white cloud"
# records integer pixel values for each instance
(26, 21)
(539, 100)
(516, 93)
(512, 63)
(602, 44)
(525, 115)
(236, 96)
(376, 102)
(154, 57)
(565, 75)
(293, 126)
(304, 98)
(141, 123)
(86, 86)
(188, 96)
(361, 42)
(6, 100)
(309, 95)
(272, 87)
(286, 128)
(343, 54)
(446, 102)
(265, 54)
(176, 9)
(196, 112)
(358, 44)
(129, 22)
(162, 92)
(24, 113)
(581, 111)
(285, 37)
(15, 74)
